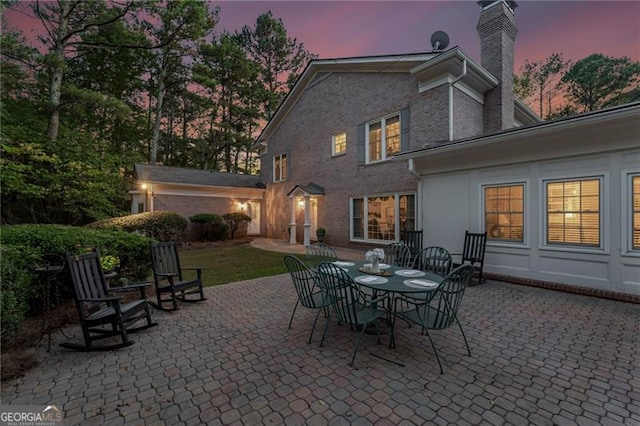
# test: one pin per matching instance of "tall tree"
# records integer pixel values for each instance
(177, 26)
(281, 58)
(598, 81)
(64, 22)
(541, 78)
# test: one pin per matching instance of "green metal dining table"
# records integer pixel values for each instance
(392, 280)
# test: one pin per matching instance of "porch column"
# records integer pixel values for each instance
(292, 225)
(307, 221)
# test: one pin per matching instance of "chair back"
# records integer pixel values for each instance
(434, 259)
(413, 240)
(165, 259)
(474, 247)
(304, 281)
(87, 277)
(448, 298)
(318, 253)
(342, 291)
(397, 254)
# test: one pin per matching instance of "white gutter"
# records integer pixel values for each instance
(460, 77)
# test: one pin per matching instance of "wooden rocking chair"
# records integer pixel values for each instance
(168, 276)
(101, 315)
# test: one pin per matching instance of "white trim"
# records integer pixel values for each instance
(396, 205)
(383, 138)
(526, 222)
(626, 216)
(282, 178)
(604, 202)
(333, 144)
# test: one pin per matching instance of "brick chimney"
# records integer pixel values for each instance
(497, 30)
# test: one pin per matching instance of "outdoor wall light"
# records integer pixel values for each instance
(300, 204)
(143, 186)
(242, 206)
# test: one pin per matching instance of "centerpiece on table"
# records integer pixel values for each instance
(375, 256)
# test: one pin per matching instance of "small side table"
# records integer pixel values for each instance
(48, 274)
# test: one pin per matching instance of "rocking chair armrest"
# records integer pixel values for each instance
(101, 299)
(167, 274)
(130, 287)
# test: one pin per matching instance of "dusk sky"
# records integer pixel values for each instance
(334, 29)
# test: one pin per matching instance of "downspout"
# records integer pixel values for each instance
(412, 170)
(460, 77)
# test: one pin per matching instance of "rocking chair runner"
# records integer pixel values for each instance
(101, 315)
(168, 276)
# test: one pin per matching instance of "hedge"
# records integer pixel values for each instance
(25, 246)
(208, 227)
(159, 225)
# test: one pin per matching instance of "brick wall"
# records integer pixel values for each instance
(337, 103)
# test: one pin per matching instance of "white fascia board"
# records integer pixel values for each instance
(629, 117)
(424, 86)
(194, 190)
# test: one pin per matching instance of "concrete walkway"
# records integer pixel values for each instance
(538, 357)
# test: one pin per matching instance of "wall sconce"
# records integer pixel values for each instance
(300, 204)
(242, 206)
(143, 186)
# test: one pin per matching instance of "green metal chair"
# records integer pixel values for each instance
(397, 254)
(350, 305)
(318, 253)
(309, 293)
(434, 259)
(439, 311)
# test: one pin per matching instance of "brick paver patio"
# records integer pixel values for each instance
(538, 357)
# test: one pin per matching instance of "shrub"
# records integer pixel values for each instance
(30, 245)
(235, 220)
(14, 289)
(208, 227)
(159, 225)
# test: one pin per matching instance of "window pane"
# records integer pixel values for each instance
(276, 169)
(358, 216)
(339, 143)
(381, 218)
(392, 134)
(504, 212)
(284, 172)
(573, 212)
(375, 141)
(635, 195)
(407, 213)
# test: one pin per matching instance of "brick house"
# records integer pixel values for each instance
(191, 191)
(369, 146)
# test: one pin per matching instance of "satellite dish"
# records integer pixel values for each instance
(439, 40)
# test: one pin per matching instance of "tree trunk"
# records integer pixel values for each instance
(153, 151)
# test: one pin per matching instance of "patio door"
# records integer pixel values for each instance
(253, 210)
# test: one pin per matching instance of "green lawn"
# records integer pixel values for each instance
(235, 263)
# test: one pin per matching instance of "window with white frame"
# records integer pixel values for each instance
(383, 138)
(280, 168)
(382, 217)
(635, 211)
(574, 212)
(339, 144)
(504, 212)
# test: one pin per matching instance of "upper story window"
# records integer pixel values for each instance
(280, 168)
(573, 212)
(635, 212)
(339, 144)
(383, 138)
(504, 212)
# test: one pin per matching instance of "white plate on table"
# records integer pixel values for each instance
(370, 279)
(426, 284)
(343, 264)
(382, 266)
(410, 273)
